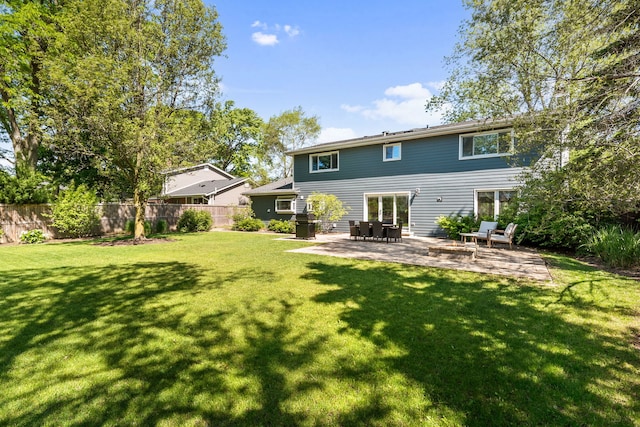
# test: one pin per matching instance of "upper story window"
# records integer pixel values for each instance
(323, 162)
(486, 144)
(391, 152)
(285, 205)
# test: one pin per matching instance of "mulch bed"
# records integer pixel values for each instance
(132, 242)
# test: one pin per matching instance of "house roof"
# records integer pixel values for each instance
(280, 187)
(390, 137)
(206, 188)
(198, 167)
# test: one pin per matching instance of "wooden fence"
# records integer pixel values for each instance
(15, 219)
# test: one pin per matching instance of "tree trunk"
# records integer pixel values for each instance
(140, 203)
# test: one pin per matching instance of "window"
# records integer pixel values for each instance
(492, 203)
(389, 207)
(285, 205)
(391, 152)
(487, 144)
(323, 162)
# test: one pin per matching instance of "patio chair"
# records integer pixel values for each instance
(354, 230)
(365, 229)
(377, 230)
(483, 233)
(503, 236)
(395, 233)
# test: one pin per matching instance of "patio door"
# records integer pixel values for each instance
(390, 208)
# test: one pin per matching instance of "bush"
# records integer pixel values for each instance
(75, 212)
(33, 236)
(283, 226)
(554, 228)
(248, 224)
(130, 227)
(615, 246)
(327, 208)
(453, 225)
(192, 220)
(162, 226)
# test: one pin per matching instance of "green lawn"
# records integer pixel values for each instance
(229, 329)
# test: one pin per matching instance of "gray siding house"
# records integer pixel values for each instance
(277, 200)
(412, 176)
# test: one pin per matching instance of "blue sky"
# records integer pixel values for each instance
(362, 67)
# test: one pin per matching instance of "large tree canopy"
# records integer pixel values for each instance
(289, 130)
(27, 32)
(128, 70)
(568, 72)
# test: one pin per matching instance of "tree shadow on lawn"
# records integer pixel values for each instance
(143, 344)
(488, 349)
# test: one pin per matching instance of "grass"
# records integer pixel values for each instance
(229, 329)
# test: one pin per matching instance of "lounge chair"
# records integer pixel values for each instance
(483, 233)
(503, 236)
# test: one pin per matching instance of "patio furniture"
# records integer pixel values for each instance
(365, 229)
(483, 232)
(377, 231)
(503, 236)
(354, 230)
(394, 232)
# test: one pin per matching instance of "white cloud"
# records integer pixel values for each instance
(269, 34)
(352, 108)
(336, 134)
(291, 31)
(403, 104)
(265, 39)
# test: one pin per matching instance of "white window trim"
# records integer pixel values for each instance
(393, 159)
(496, 199)
(365, 206)
(484, 156)
(327, 153)
(286, 211)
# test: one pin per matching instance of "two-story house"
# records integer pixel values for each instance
(413, 176)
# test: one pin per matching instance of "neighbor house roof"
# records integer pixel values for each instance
(206, 188)
(198, 167)
(280, 187)
(390, 137)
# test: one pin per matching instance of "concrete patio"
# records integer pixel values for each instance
(516, 262)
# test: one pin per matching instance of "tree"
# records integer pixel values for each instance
(567, 73)
(27, 32)
(229, 138)
(327, 208)
(129, 68)
(288, 131)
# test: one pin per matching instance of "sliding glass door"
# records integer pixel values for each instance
(391, 208)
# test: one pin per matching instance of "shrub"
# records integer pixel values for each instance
(75, 212)
(283, 226)
(33, 236)
(248, 224)
(615, 246)
(130, 227)
(192, 220)
(554, 228)
(327, 208)
(453, 225)
(162, 226)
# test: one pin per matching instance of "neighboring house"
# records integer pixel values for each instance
(204, 184)
(412, 176)
(277, 200)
